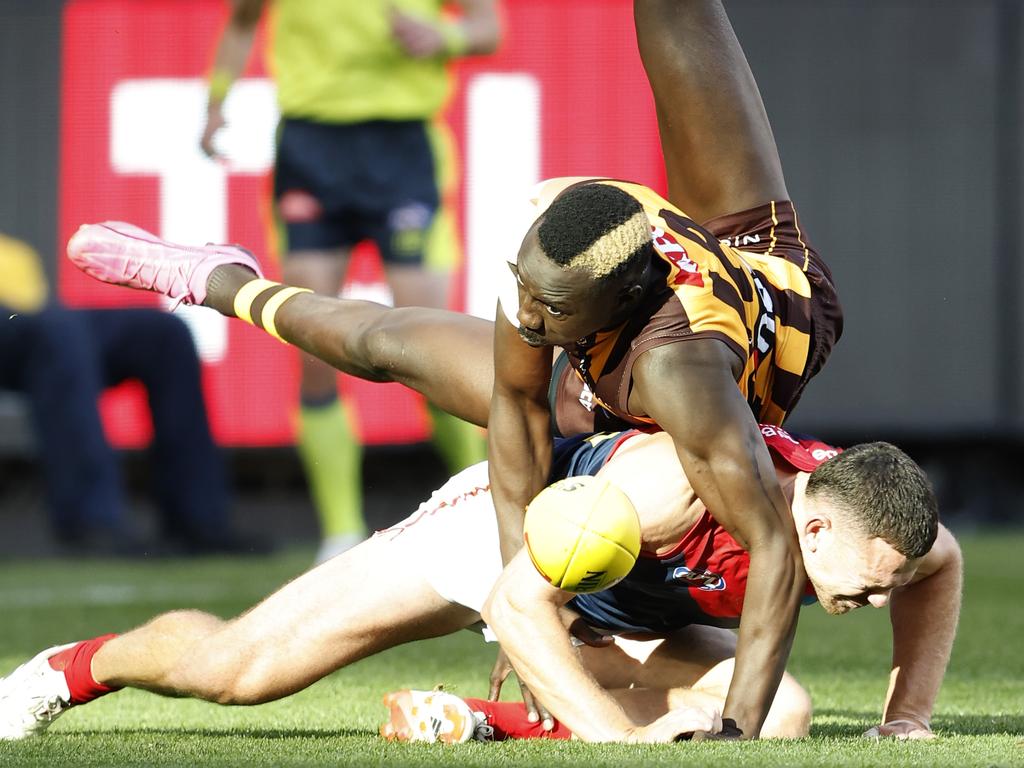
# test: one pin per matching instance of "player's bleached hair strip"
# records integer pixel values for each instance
(614, 247)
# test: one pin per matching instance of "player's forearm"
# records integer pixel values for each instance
(771, 606)
(924, 618)
(735, 478)
(539, 648)
(234, 48)
(519, 461)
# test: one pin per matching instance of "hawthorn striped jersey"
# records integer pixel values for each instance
(758, 303)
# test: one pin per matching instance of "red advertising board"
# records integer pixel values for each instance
(565, 95)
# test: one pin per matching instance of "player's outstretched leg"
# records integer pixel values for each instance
(309, 628)
(445, 356)
(720, 154)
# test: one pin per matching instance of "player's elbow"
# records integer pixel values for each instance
(503, 613)
(497, 610)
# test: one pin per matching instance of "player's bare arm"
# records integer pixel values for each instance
(523, 611)
(229, 62)
(924, 617)
(519, 430)
(689, 389)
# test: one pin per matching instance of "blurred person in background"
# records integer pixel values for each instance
(362, 155)
(61, 360)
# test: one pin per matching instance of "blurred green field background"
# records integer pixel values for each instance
(843, 662)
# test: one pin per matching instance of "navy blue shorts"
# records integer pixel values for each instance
(337, 185)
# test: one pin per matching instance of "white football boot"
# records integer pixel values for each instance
(432, 716)
(33, 696)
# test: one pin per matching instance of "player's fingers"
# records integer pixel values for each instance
(499, 673)
(901, 730)
(535, 711)
(532, 715)
(547, 722)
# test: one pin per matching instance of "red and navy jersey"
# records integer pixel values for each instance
(703, 578)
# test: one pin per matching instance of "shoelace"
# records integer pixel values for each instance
(482, 731)
(133, 270)
(53, 707)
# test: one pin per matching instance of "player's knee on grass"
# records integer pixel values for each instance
(790, 713)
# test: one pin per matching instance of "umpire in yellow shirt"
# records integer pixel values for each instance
(361, 155)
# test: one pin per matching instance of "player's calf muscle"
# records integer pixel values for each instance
(149, 656)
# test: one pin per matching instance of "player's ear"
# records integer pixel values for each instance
(815, 532)
(632, 293)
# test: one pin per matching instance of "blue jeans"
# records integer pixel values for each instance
(62, 359)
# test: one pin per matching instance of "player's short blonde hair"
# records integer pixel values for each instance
(596, 228)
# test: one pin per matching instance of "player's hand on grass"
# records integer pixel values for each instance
(534, 712)
(726, 731)
(676, 725)
(901, 730)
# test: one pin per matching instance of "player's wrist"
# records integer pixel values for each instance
(219, 84)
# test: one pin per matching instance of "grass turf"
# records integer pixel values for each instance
(842, 661)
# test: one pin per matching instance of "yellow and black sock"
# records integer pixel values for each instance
(258, 301)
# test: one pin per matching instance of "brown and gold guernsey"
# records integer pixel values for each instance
(757, 303)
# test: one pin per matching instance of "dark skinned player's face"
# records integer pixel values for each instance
(559, 306)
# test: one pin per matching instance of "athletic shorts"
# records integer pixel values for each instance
(454, 534)
(337, 185)
(774, 229)
(453, 538)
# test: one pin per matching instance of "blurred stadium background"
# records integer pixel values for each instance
(900, 127)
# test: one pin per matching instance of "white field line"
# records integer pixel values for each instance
(118, 594)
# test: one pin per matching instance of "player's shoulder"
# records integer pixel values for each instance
(801, 452)
(945, 553)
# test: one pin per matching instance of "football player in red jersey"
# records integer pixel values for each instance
(868, 530)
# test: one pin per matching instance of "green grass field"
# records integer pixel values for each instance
(843, 662)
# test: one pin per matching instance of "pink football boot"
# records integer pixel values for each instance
(123, 254)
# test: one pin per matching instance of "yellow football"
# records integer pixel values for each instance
(582, 533)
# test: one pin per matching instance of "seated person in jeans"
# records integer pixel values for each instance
(61, 359)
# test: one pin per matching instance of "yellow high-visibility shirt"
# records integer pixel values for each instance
(335, 61)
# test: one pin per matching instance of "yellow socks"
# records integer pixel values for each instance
(459, 442)
(332, 457)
